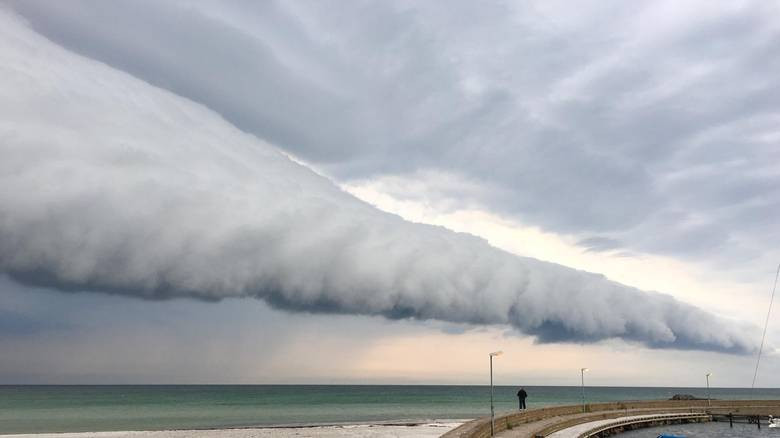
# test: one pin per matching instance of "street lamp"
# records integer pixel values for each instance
(492, 411)
(582, 383)
(707, 376)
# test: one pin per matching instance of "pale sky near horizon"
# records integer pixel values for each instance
(150, 232)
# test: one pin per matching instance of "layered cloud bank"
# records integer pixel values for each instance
(112, 185)
(663, 115)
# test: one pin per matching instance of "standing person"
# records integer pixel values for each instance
(521, 396)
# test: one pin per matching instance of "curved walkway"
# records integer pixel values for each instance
(548, 427)
(593, 427)
(544, 422)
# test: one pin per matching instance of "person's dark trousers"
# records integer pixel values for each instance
(522, 404)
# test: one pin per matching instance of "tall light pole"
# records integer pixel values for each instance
(492, 411)
(707, 376)
(582, 385)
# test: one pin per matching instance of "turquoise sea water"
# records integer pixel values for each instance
(25, 409)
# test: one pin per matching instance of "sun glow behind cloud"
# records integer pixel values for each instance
(692, 282)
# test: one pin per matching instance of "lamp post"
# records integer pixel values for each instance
(492, 411)
(707, 376)
(582, 385)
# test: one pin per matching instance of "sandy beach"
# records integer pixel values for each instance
(430, 429)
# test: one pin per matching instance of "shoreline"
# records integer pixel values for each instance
(402, 422)
(381, 429)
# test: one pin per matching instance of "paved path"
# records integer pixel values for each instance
(576, 431)
(551, 419)
(528, 429)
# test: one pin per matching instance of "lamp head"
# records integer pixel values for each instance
(496, 353)
(708, 374)
(583, 369)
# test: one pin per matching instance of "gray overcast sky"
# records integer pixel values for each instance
(641, 129)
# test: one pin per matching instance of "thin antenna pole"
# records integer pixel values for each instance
(763, 337)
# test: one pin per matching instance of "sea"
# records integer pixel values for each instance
(76, 408)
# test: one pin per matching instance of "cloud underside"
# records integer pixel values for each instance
(651, 126)
(110, 184)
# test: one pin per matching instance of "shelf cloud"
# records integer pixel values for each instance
(110, 184)
(650, 126)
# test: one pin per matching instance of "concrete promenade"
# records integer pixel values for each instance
(586, 429)
(544, 422)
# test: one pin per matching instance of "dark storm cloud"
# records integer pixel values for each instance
(652, 124)
(112, 185)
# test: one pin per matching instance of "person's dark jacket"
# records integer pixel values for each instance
(522, 394)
